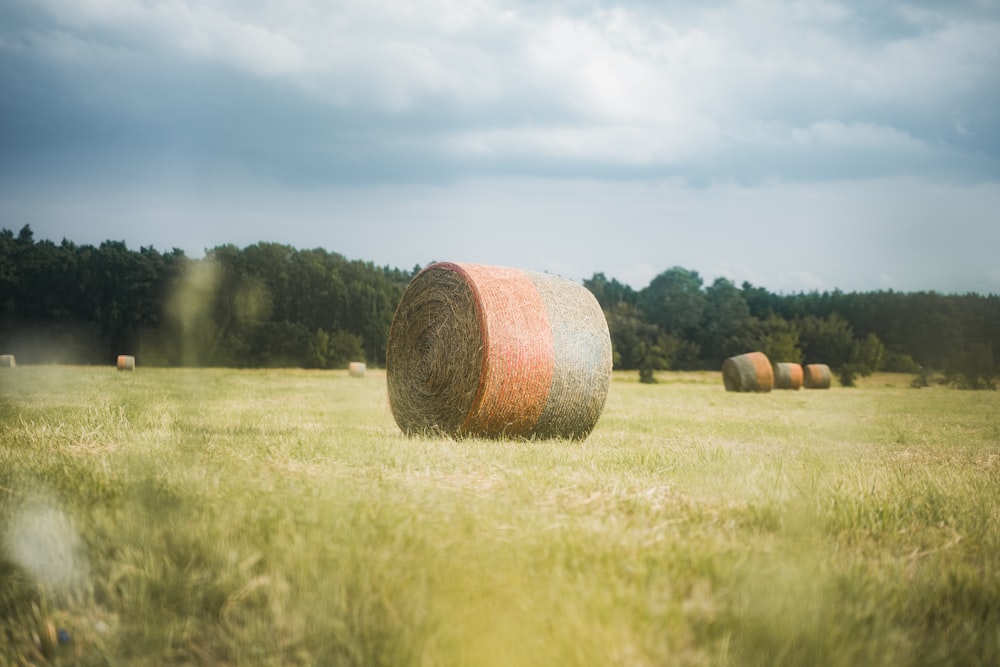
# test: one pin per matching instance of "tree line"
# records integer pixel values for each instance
(679, 322)
(270, 305)
(265, 305)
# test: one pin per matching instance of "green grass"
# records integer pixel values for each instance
(219, 517)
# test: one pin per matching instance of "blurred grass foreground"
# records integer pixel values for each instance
(220, 517)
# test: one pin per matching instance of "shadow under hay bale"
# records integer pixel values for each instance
(495, 352)
(126, 362)
(816, 376)
(787, 375)
(748, 372)
(7, 361)
(356, 369)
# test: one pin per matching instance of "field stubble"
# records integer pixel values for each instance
(179, 516)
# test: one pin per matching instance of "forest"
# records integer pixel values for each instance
(272, 305)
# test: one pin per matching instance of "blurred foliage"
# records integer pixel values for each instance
(855, 334)
(270, 305)
(266, 305)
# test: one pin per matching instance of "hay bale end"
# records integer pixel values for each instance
(490, 351)
(787, 375)
(750, 372)
(816, 376)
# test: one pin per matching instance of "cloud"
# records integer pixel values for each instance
(699, 128)
(604, 144)
(991, 281)
(746, 89)
(198, 31)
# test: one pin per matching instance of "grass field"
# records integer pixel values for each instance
(220, 517)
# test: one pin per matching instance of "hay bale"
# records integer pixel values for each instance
(495, 352)
(816, 376)
(126, 362)
(356, 369)
(748, 372)
(787, 375)
(7, 361)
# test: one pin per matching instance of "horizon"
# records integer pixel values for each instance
(706, 283)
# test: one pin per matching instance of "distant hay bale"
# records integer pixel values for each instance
(356, 369)
(816, 376)
(126, 362)
(489, 351)
(787, 375)
(748, 372)
(7, 361)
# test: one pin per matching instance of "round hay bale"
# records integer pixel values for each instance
(126, 362)
(748, 372)
(816, 376)
(489, 351)
(7, 361)
(787, 375)
(356, 369)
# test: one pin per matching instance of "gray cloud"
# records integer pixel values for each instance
(200, 102)
(605, 91)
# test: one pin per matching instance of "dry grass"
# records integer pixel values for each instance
(281, 518)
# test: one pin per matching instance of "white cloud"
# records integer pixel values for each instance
(992, 280)
(213, 35)
(794, 118)
(175, 27)
(685, 70)
(597, 143)
(800, 281)
(945, 62)
(857, 136)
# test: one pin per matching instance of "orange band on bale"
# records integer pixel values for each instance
(816, 376)
(517, 361)
(491, 351)
(787, 375)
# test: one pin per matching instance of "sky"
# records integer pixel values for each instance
(798, 145)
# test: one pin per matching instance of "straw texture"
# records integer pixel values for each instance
(356, 369)
(491, 351)
(816, 376)
(7, 361)
(748, 372)
(787, 375)
(126, 362)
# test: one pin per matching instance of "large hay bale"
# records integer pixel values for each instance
(126, 362)
(816, 376)
(787, 375)
(356, 369)
(491, 351)
(7, 361)
(748, 372)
